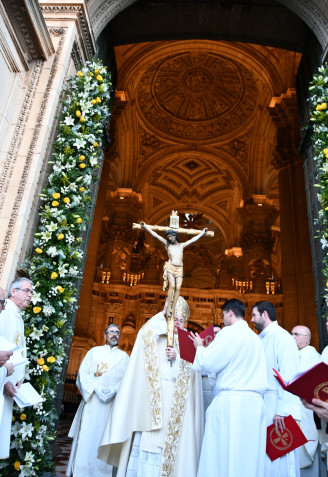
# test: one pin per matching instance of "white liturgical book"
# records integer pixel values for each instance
(17, 359)
(27, 396)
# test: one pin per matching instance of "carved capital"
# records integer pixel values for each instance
(77, 11)
(30, 28)
(284, 116)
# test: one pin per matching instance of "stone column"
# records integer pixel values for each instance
(297, 278)
(256, 218)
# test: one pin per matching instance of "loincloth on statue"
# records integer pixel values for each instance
(176, 271)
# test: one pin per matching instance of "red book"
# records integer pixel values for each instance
(289, 439)
(310, 384)
(187, 348)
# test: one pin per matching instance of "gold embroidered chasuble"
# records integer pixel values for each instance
(168, 412)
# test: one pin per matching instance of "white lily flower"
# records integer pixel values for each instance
(46, 235)
(52, 251)
(52, 227)
(79, 143)
(36, 297)
(69, 121)
(36, 334)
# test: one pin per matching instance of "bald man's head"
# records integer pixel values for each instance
(302, 336)
(2, 300)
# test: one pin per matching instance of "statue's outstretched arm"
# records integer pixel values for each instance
(195, 238)
(153, 233)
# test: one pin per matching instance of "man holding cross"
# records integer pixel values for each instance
(157, 420)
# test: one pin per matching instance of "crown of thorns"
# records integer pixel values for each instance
(171, 232)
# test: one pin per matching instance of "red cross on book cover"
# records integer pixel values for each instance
(285, 441)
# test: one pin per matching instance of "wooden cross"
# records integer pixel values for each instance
(172, 273)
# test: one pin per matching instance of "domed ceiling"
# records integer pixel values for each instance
(192, 132)
(196, 96)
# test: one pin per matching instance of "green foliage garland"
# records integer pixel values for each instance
(319, 118)
(56, 263)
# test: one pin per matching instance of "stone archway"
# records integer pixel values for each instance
(228, 155)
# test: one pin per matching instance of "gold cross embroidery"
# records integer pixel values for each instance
(101, 370)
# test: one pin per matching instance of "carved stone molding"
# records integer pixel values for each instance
(56, 31)
(30, 28)
(107, 10)
(117, 232)
(210, 178)
(19, 131)
(148, 145)
(77, 55)
(149, 309)
(196, 96)
(87, 41)
(284, 116)
(238, 148)
(310, 13)
(312, 16)
(35, 137)
(8, 55)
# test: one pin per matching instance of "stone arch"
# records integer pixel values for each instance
(310, 12)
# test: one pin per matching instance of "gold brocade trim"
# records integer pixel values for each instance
(175, 422)
(152, 374)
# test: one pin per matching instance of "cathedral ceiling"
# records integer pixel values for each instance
(191, 127)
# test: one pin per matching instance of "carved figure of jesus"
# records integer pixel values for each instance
(173, 268)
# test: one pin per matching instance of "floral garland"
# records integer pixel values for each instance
(56, 263)
(319, 117)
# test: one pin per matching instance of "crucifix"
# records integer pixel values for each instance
(173, 268)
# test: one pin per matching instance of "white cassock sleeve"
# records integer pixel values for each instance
(288, 364)
(86, 381)
(213, 359)
(3, 374)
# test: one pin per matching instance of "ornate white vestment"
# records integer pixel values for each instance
(158, 412)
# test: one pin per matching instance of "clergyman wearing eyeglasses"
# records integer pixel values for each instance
(12, 328)
(99, 377)
(309, 453)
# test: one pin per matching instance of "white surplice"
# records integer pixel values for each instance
(308, 454)
(11, 328)
(93, 415)
(323, 434)
(157, 422)
(235, 429)
(281, 354)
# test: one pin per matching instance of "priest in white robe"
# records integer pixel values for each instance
(6, 369)
(235, 429)
(99, 378)
(208, 381)
(157, 423)
(281, 354)
(12, 328)
(309, 453)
